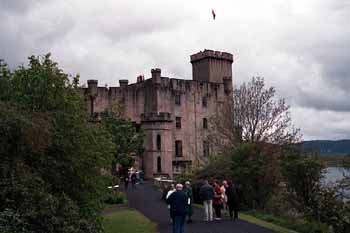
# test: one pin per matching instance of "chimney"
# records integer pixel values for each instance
(140, 78)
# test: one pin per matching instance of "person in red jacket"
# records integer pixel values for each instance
(217, 202)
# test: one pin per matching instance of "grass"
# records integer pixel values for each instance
(268, 225)
(254, 220)
(128, 221)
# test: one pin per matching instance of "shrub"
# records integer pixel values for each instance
(117, 198)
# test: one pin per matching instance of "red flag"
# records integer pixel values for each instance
(213, 13)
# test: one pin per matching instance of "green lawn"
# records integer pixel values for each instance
(254, 220)
(268, 225)
(128, 221)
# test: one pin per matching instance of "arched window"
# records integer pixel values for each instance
(159, 142)
(159, 164)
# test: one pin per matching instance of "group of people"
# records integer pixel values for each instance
(220, 197)
(224, 197)
(134, 177)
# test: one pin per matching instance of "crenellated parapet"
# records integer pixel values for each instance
(211, 54)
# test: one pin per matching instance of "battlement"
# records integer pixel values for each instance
(153, 116)
(211, 54)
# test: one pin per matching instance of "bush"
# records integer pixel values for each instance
(298, 224)
(117, 198)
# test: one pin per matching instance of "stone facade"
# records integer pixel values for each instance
(173, 113)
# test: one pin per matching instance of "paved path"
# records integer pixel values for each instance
(147, 199)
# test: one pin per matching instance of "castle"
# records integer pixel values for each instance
(174, 113)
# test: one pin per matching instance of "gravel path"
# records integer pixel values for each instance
(147, 199)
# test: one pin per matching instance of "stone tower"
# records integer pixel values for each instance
(212, 66)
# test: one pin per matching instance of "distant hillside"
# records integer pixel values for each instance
(325, 147)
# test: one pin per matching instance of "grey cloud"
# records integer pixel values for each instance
(333, 100)
(18, 6)
(25, 34)
(316, 124)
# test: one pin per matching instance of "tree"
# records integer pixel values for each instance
(254, 168)
(254, 115)
(51, 156)
(128, 140)
(303, 175)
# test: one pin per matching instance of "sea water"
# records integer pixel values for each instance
(334, 174)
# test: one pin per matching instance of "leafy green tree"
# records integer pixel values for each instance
(303, 175)
(127, 138)
(50, 174)
(254, 168)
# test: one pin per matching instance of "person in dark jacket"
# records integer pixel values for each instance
(232, 200)
(178, 207)
(189, 193)
(133, 179)
(206, 193)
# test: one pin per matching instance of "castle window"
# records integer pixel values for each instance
(205, 123)
(178, 99)
(205, 101)
(159, 164)
(159, 142)
(178, 148)
(205, 148)
(178, 122)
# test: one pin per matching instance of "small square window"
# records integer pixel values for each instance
(205, 101)
(178, 122)
(205, 123)
(178, 148)
(178, 99)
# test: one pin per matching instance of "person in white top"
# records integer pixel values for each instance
(224, 197)
(171, 190)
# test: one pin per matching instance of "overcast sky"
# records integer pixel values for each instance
(301, 47)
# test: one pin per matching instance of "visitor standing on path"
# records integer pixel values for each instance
(217, 202)
(224, 197)
(142, 176)
(171, 191)
(178, 207)
(232, 200)
(133, 180)
(126, 181)
(206, 193)
(189, 193)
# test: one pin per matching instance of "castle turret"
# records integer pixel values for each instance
(212, 66)
(92, 93)
(123, 83)
(156, 73)
(92, 87)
